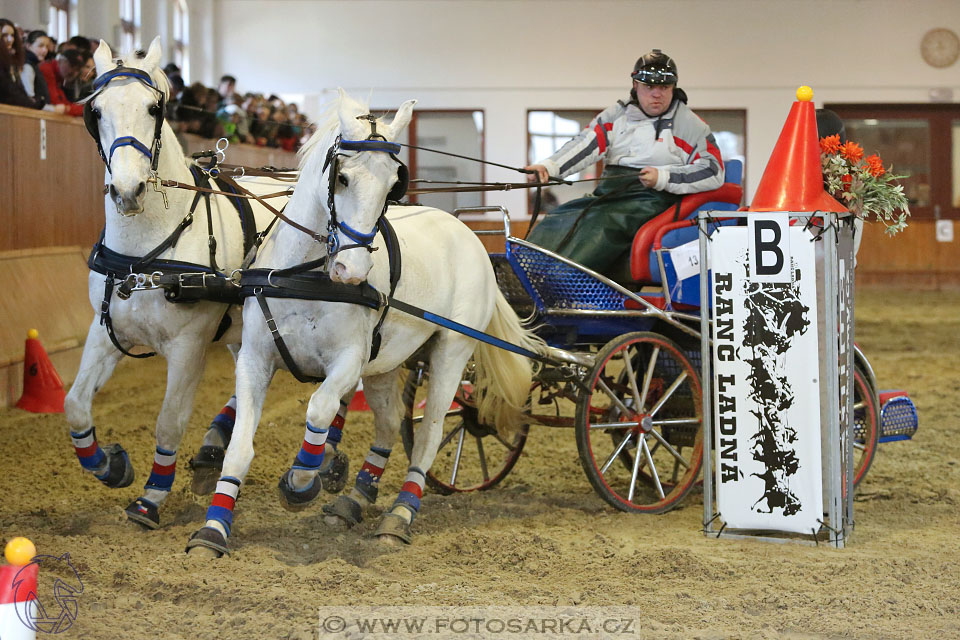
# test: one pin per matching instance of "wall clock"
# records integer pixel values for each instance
(940, 47)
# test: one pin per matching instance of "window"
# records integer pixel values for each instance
(921, 142)
(452, 131)
(181, 38)
(129, 25)
(547, 131)
(62, 23)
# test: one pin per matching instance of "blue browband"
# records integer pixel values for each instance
(370, 145)
(106, 77)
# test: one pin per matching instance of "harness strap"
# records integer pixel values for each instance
(107, 322)
(278, 341)
(393, 257)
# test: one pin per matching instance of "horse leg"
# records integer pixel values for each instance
(254, 373)
(208, 462)
(446, 368)
(111, 466)
(185, 362)
(382, 394)
(335, 468)
(299, 486)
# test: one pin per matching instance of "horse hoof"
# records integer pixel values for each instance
(206, 541)
(293, 500)
(119, 469)
(144, 513)
(343, 510)
(334, 474)
(206, 466)
(393, 530)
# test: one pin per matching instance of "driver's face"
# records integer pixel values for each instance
(654, 99)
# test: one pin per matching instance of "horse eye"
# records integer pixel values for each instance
(154, 110)
(96, 112)
(343, 180)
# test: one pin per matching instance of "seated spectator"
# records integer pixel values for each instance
(12, 58)
(67, 66)
(37, 47)
(228, 84)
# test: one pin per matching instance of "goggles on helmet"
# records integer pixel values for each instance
(655, 76)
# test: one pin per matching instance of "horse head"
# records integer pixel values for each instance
(125, 115)
(364, 174)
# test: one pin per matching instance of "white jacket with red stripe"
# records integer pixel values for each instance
(678, 144)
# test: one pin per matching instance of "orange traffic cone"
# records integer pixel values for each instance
(18, 591)
(359, 400)
(42, 386)
(793, 179)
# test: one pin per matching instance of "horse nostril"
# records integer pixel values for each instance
(113, 192)
(141, 189)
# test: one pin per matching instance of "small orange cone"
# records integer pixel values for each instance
(42, 386)
(359, 400)
(793, 179)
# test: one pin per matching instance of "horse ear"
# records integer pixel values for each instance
(103, 58)
(402, 118)
(154, 54)
(348, 111)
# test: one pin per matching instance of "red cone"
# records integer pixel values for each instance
(18, 591)
(42, 386)
(793, 179)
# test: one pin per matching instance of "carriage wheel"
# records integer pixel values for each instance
(866, 425)
(644, 409)
(472, 456)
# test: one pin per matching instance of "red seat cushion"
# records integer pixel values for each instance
(643, 241)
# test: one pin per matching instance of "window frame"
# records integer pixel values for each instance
(939, 118)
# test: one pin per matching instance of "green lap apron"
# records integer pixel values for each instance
(598, 229)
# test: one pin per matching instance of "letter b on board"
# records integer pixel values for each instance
(769, 239)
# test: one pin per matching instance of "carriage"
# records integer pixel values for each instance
(631, 388)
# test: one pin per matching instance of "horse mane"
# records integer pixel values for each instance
(328, 124)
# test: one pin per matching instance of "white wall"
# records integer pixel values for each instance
(507, 56)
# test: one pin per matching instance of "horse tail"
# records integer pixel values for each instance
(502, 377)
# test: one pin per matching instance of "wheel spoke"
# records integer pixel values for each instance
(483, 459)
(648, 376)
(632, 377)
(859, 446)
(669, 392)
(616, 400)
(616, 452)
(653, 469)
(633, 476)
(669, 422)
(456, 457)
(668, 447)
(614, 425)
(447, 438)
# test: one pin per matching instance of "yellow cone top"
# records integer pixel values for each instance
(804, 94)
(33, 334)
(19, 551)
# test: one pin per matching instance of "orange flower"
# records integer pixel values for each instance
(851, 151)
(875, 166)
(830, 144)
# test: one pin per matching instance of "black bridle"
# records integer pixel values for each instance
(374, 142)
(91, 116)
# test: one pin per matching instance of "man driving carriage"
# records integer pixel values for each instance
(655, 149)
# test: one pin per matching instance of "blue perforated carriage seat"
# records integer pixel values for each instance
(643, 262)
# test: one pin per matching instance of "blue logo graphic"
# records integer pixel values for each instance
(55, 617)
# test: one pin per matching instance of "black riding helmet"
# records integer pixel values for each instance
(655, 67)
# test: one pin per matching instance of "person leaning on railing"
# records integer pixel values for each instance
(656, 149)
(12, 59)
(66, 67)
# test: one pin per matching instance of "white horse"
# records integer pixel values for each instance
(445, 270)
(124, 116)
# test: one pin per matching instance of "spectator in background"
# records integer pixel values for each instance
(37, 47)
(228, 84)
(82, 85)
(12, 58)
(67, 66)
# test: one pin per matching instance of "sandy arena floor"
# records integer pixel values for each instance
(541, 538)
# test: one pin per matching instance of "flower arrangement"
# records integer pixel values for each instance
(863, 185)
